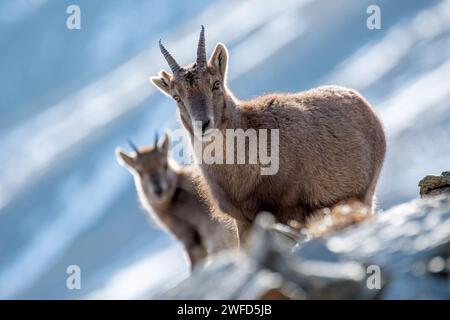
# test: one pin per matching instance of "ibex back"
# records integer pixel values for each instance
(332, 144)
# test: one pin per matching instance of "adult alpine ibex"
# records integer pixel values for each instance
(170, 194)
(331, 148)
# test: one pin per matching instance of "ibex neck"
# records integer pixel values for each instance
(232, 111)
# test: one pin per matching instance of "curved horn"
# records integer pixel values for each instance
(170, 60)
(133, 146)
(201, 50)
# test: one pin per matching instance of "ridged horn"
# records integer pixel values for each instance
(201, 49)
(174, 66)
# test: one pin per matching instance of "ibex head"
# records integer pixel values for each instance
(198, 89)
(150, 167)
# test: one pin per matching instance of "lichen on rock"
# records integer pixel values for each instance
(433, 185)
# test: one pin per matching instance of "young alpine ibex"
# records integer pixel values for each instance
(169, 193)
(331, 147)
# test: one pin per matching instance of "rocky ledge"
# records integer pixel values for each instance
(401, 253)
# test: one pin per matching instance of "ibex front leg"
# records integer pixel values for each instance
(244, 229)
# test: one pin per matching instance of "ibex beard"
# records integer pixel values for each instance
(237, 146)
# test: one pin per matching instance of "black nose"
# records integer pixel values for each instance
(158, 190)
(205, 125)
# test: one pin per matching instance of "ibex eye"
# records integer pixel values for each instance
(216, 85)
(177, 98)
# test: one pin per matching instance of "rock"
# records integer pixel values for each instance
(233, 275)
(401, 242)
(402, 253)
(240, 275)
(433, 185)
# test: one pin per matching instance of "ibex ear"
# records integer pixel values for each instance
(162, 82)
(124, 159)
(219, 59)
(163, 144)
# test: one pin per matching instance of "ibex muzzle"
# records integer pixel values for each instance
(199, 112)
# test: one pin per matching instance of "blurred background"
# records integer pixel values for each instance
(69, 97)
